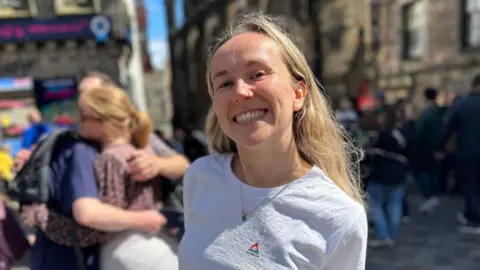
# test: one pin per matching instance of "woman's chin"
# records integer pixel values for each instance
(251, 139)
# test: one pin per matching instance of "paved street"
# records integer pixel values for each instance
(427, 242)
(430, 242)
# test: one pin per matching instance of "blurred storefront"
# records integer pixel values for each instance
(46, 47)
(16, 101)
(396, 87)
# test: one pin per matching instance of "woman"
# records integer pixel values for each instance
(278, 192)
(386, 186)
(109, 118)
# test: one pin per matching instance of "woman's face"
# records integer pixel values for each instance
(254, 94)
(90, 127)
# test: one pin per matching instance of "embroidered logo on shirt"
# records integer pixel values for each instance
(253, 250)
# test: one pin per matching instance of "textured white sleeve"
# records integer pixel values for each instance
(351, 251)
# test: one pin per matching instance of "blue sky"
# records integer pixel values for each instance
(157, 31)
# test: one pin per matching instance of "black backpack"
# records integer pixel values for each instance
(31, 184)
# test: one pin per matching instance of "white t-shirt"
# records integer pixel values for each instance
(309, 224)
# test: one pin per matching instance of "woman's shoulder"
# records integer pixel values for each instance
(326, 205)
(205, 171)
(211, 164)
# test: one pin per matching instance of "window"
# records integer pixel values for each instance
(414, 30)
(471, 23)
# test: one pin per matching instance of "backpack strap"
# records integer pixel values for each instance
(76, 247)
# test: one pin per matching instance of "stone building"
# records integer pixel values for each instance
(346, 30)
(156, 82)
(427, 43)
(204, 21)
(159, 99)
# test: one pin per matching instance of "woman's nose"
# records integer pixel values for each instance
(243, 91)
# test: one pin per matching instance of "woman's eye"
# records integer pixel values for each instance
(225, 84)
(257, 74)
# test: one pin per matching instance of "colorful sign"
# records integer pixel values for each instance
(60, 28)
(17, 8)
(16, 84)
(70, 7)
(57, 100)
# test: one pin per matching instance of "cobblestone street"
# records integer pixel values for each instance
(430, 242)
(427, 242)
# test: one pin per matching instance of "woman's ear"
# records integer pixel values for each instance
(300, 91)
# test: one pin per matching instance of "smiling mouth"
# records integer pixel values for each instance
(250, 116)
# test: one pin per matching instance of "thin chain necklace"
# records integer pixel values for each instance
(245, 214)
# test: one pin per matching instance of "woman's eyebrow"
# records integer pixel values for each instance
(219, 74)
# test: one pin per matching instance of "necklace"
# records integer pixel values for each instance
(245, 214)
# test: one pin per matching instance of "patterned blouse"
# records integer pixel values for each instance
(115, 188)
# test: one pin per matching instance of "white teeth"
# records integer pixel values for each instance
(245, 117)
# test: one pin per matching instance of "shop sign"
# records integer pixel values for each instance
(56, 99)
(59, 28)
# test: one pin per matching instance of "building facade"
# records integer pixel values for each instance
(346, 32)
(156, 82)
(427, 43)
(58, 38)
(159, 99)
(47, 45)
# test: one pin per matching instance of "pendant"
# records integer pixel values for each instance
(244, 216)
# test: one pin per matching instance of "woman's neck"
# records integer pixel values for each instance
(270, 166)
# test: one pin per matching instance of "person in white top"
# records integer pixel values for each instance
(279, 191)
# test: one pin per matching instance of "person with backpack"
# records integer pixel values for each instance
(386, 186)
(60, 173)
(108, 117)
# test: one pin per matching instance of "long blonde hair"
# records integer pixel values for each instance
(319, 139)
(112, 105)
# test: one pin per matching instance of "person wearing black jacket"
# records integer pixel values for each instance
(428, 131)
(386, 186)
(463, 120)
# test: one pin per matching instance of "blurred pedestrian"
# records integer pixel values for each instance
(428, 132)
(386, 186)
(462, 119)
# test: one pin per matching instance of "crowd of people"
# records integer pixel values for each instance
(273, 182)
(437, 148)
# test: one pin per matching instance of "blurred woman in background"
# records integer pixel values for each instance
(386, 185)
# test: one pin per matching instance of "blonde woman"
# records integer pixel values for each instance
(278, 193)
(108, 117)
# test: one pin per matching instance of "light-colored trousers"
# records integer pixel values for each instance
(133, 250)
